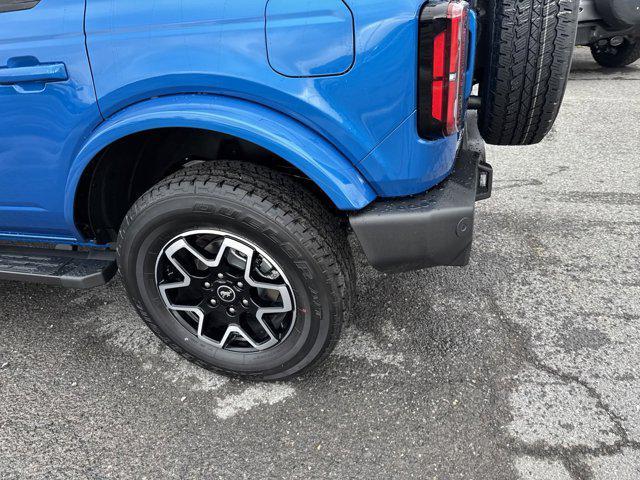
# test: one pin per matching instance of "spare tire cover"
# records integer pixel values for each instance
(619, 13)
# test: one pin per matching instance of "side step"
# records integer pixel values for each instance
(64, 268)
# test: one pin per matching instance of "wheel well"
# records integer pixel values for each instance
(127, 168)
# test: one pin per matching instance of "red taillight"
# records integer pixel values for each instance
(443, 54)
(438, 86)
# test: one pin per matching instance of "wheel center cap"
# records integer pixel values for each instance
(226, 293)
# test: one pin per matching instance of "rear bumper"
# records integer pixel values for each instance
(434, 228)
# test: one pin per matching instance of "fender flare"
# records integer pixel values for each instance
(274, 131)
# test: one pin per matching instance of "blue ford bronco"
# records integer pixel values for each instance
(218, 154)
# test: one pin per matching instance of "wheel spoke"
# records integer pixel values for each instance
(184, 283)
(284, 295)
(229, 299)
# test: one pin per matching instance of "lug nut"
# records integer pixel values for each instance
(245, 302)
(213, 302)
(207, 285)
(616, 41)
(232, 311)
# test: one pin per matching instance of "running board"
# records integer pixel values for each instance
(65, 268)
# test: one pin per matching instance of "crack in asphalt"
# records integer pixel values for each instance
(521, 183)
(517, 184)
(571, 457)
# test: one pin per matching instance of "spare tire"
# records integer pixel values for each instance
(619, 14)
(529, 45)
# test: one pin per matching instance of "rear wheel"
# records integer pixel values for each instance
(239, 269)
(616, 56)
(530, 45)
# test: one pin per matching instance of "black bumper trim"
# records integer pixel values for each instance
(431, 229)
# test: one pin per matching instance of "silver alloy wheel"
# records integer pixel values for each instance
(226, 289)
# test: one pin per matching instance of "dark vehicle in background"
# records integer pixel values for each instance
(612, 29)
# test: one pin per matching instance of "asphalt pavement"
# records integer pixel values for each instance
(522, 365)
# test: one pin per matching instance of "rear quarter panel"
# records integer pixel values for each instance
(140, 50)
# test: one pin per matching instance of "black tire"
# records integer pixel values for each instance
(530, 46)
(273, 212)
(617, 57)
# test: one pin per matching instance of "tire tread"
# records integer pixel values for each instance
(284, 201)
(531, 44)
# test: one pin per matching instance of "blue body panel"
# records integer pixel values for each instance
(44, 120)
(407, 173)
(328, 85)
(219, 47)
